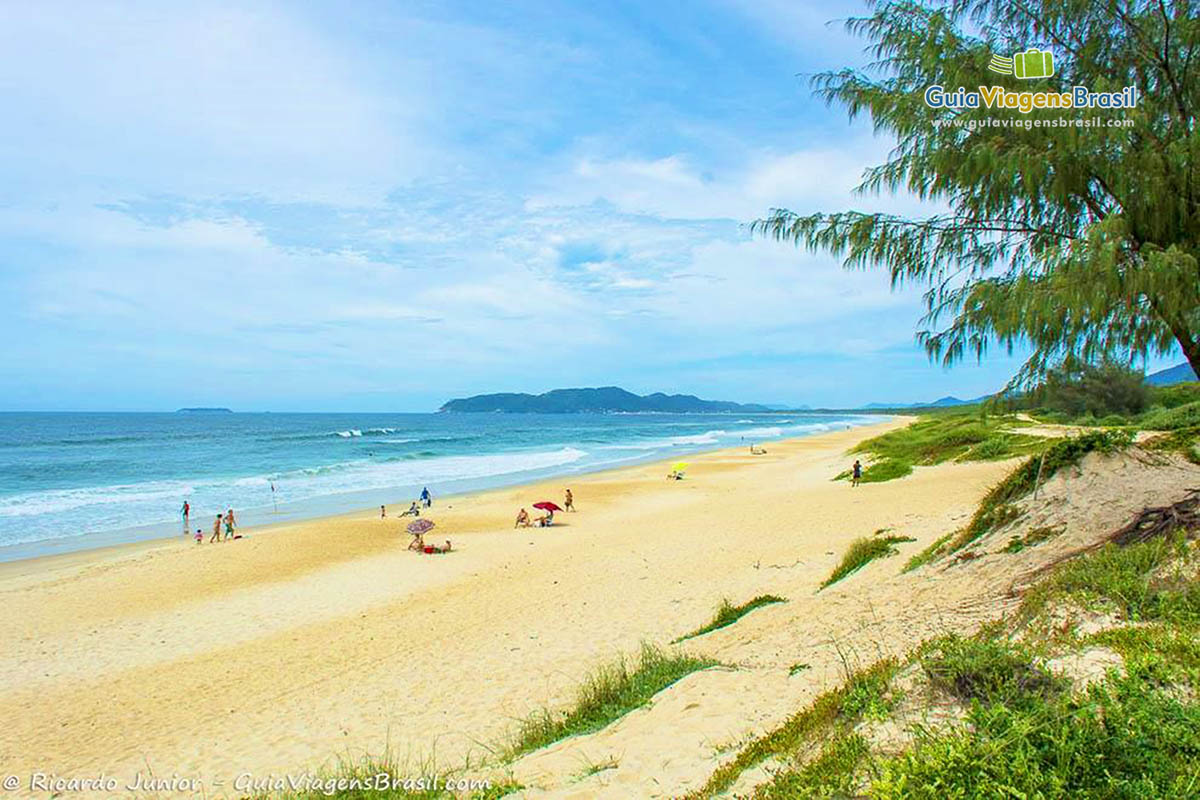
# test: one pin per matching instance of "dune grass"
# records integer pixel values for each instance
(996, 509)
(862, 552)
(936, 438)
(836, 710)
(727, 614)
(928, 554)
(606, 695)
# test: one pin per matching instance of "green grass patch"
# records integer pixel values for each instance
(1160, 653)
(606, 695)
(833, 773)
(935, 438)
(806, 727)
(1169, 419)
(1185, 441)
(798, 667)
(1124, 578)
(928, 554)
(727, 614)
(995, 510)
(1124, 739)
(862, 552)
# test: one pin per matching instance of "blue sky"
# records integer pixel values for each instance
(379, 206)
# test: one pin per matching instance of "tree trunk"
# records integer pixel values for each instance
(1190, 346)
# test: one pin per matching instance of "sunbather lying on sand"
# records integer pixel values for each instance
(433, 548)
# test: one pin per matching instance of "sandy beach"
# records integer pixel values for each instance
(307, 643)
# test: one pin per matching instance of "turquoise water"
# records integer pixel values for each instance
(73, 481)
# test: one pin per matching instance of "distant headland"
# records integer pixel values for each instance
(605, 400)
(203, 411)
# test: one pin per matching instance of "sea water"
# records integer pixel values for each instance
(71, 481)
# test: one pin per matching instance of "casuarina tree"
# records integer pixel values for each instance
(1067, 240)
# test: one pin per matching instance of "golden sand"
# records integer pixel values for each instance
(307, 643)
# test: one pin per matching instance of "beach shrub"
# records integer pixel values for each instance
(886, 470)
(1077, 389)
(608, 694)
(987, 669)
(863, 551)
(727, 614)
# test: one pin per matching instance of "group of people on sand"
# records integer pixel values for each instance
(414, 510)
(418, 544)
(547, 519)
(224, 521)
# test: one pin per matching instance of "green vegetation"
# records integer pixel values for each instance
(988, 669)
(1125, 579)
(1062, 240)
(1031, 539)
(1077, 389)
(1185, 441)
(936, 438)
(1026, 731)
(1123, 739)
(829, 713)
(928, 554)
(996, 510)
(727, 614)
(797, 668)
(863, 551)
(607, 695)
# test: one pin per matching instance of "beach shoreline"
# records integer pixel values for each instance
(66, 547)
(308, 642)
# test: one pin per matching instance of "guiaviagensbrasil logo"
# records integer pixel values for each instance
(1033, 63)
(1028, 65)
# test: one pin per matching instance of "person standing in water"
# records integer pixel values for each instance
(856, 473)
(187, 509)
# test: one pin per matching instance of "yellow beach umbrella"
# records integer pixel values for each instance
(680, 466)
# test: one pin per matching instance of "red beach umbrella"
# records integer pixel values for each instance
(420, 526)
(546, 505)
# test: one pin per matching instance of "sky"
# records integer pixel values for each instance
(380, 206)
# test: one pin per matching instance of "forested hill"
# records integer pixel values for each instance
(609, 399)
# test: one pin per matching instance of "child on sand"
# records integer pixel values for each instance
(199, 536)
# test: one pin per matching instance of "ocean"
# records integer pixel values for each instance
(72, 481)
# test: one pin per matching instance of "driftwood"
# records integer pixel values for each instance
(1162, 521)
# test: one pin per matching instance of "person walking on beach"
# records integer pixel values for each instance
(856, 473)
(383, 512)
(568, 500)
(426, 498)
(230, 523)
(216, 530)
(186, 510)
